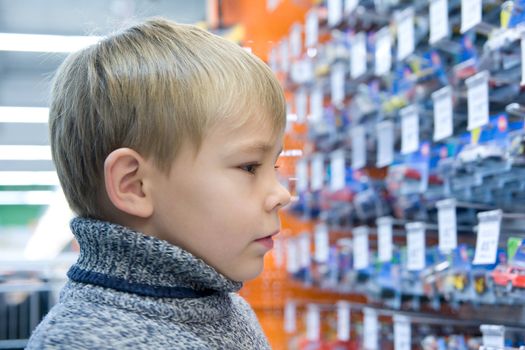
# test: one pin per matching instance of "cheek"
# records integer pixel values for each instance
(215, 199)
(230, 187)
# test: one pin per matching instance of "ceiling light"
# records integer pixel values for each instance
(44, 43)
(23, 114)
(26, 197)
(28, 178)
(25, 152)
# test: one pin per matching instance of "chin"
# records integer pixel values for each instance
(247, 273)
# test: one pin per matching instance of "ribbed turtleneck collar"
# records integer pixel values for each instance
(120, 258)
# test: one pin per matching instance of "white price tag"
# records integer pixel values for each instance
(358, 55)
(478, 100)
(402, 333)
(371, 329)
(383, 51)
(313, 323)
(312, 29)
(384, 233)
(307, 70)
(292, 257)
(495, 342)
(488, 237)
(337, 83)
(301, 104)
(350, 6)
(295, 40)
(301, 71)
(443, 114)
(360, 247)
(274, 59)
(405, 33)
(305, 256)
(415, 246)
(385, 143)
(285, 56)
(316, 103)
(335, 12)
(337, 170)
(358, 138)
(290, 317)
(493, 336)
(301, 174)
(471, 11)
(317, 172)
(523, 58)
(438, 20)
(343, 321)
(322, 243)
(409, 130)
(448, 235)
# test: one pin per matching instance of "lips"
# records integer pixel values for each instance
(267, 241)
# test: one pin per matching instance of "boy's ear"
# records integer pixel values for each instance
(125, 179)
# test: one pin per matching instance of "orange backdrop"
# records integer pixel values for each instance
(263, 28)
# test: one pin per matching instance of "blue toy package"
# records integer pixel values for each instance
(468, 49)
(404, 80)
(364, 279)
(411, 281)
(483, 162)
(516, 148)
(481, 281)
(430, 66)
(346, 273)
(466, 61)
(331, 279)
(307, 206)
(388, 277)
(324, 274)
(409, 174)
(429, 73)
(368, 201)
(407, 182)
(518, 15)
(434, 277)
(459, 272)
(440, 167)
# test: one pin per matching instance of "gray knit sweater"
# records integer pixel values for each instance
(131, 291)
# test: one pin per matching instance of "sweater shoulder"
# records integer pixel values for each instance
(242, 306)
(82, 325)
(249, 318)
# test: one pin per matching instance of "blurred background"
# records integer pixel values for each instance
(29, 196)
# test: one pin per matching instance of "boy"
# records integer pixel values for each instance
(165, 139)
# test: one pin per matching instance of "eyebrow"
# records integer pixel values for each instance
(262, 147)
(256, 147)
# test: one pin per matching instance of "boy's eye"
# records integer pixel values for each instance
(251, 168)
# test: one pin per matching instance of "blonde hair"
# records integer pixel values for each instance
(149, 88)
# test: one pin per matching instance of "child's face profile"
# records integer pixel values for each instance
(221, 202)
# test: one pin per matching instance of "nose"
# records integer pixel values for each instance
(278, 198)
